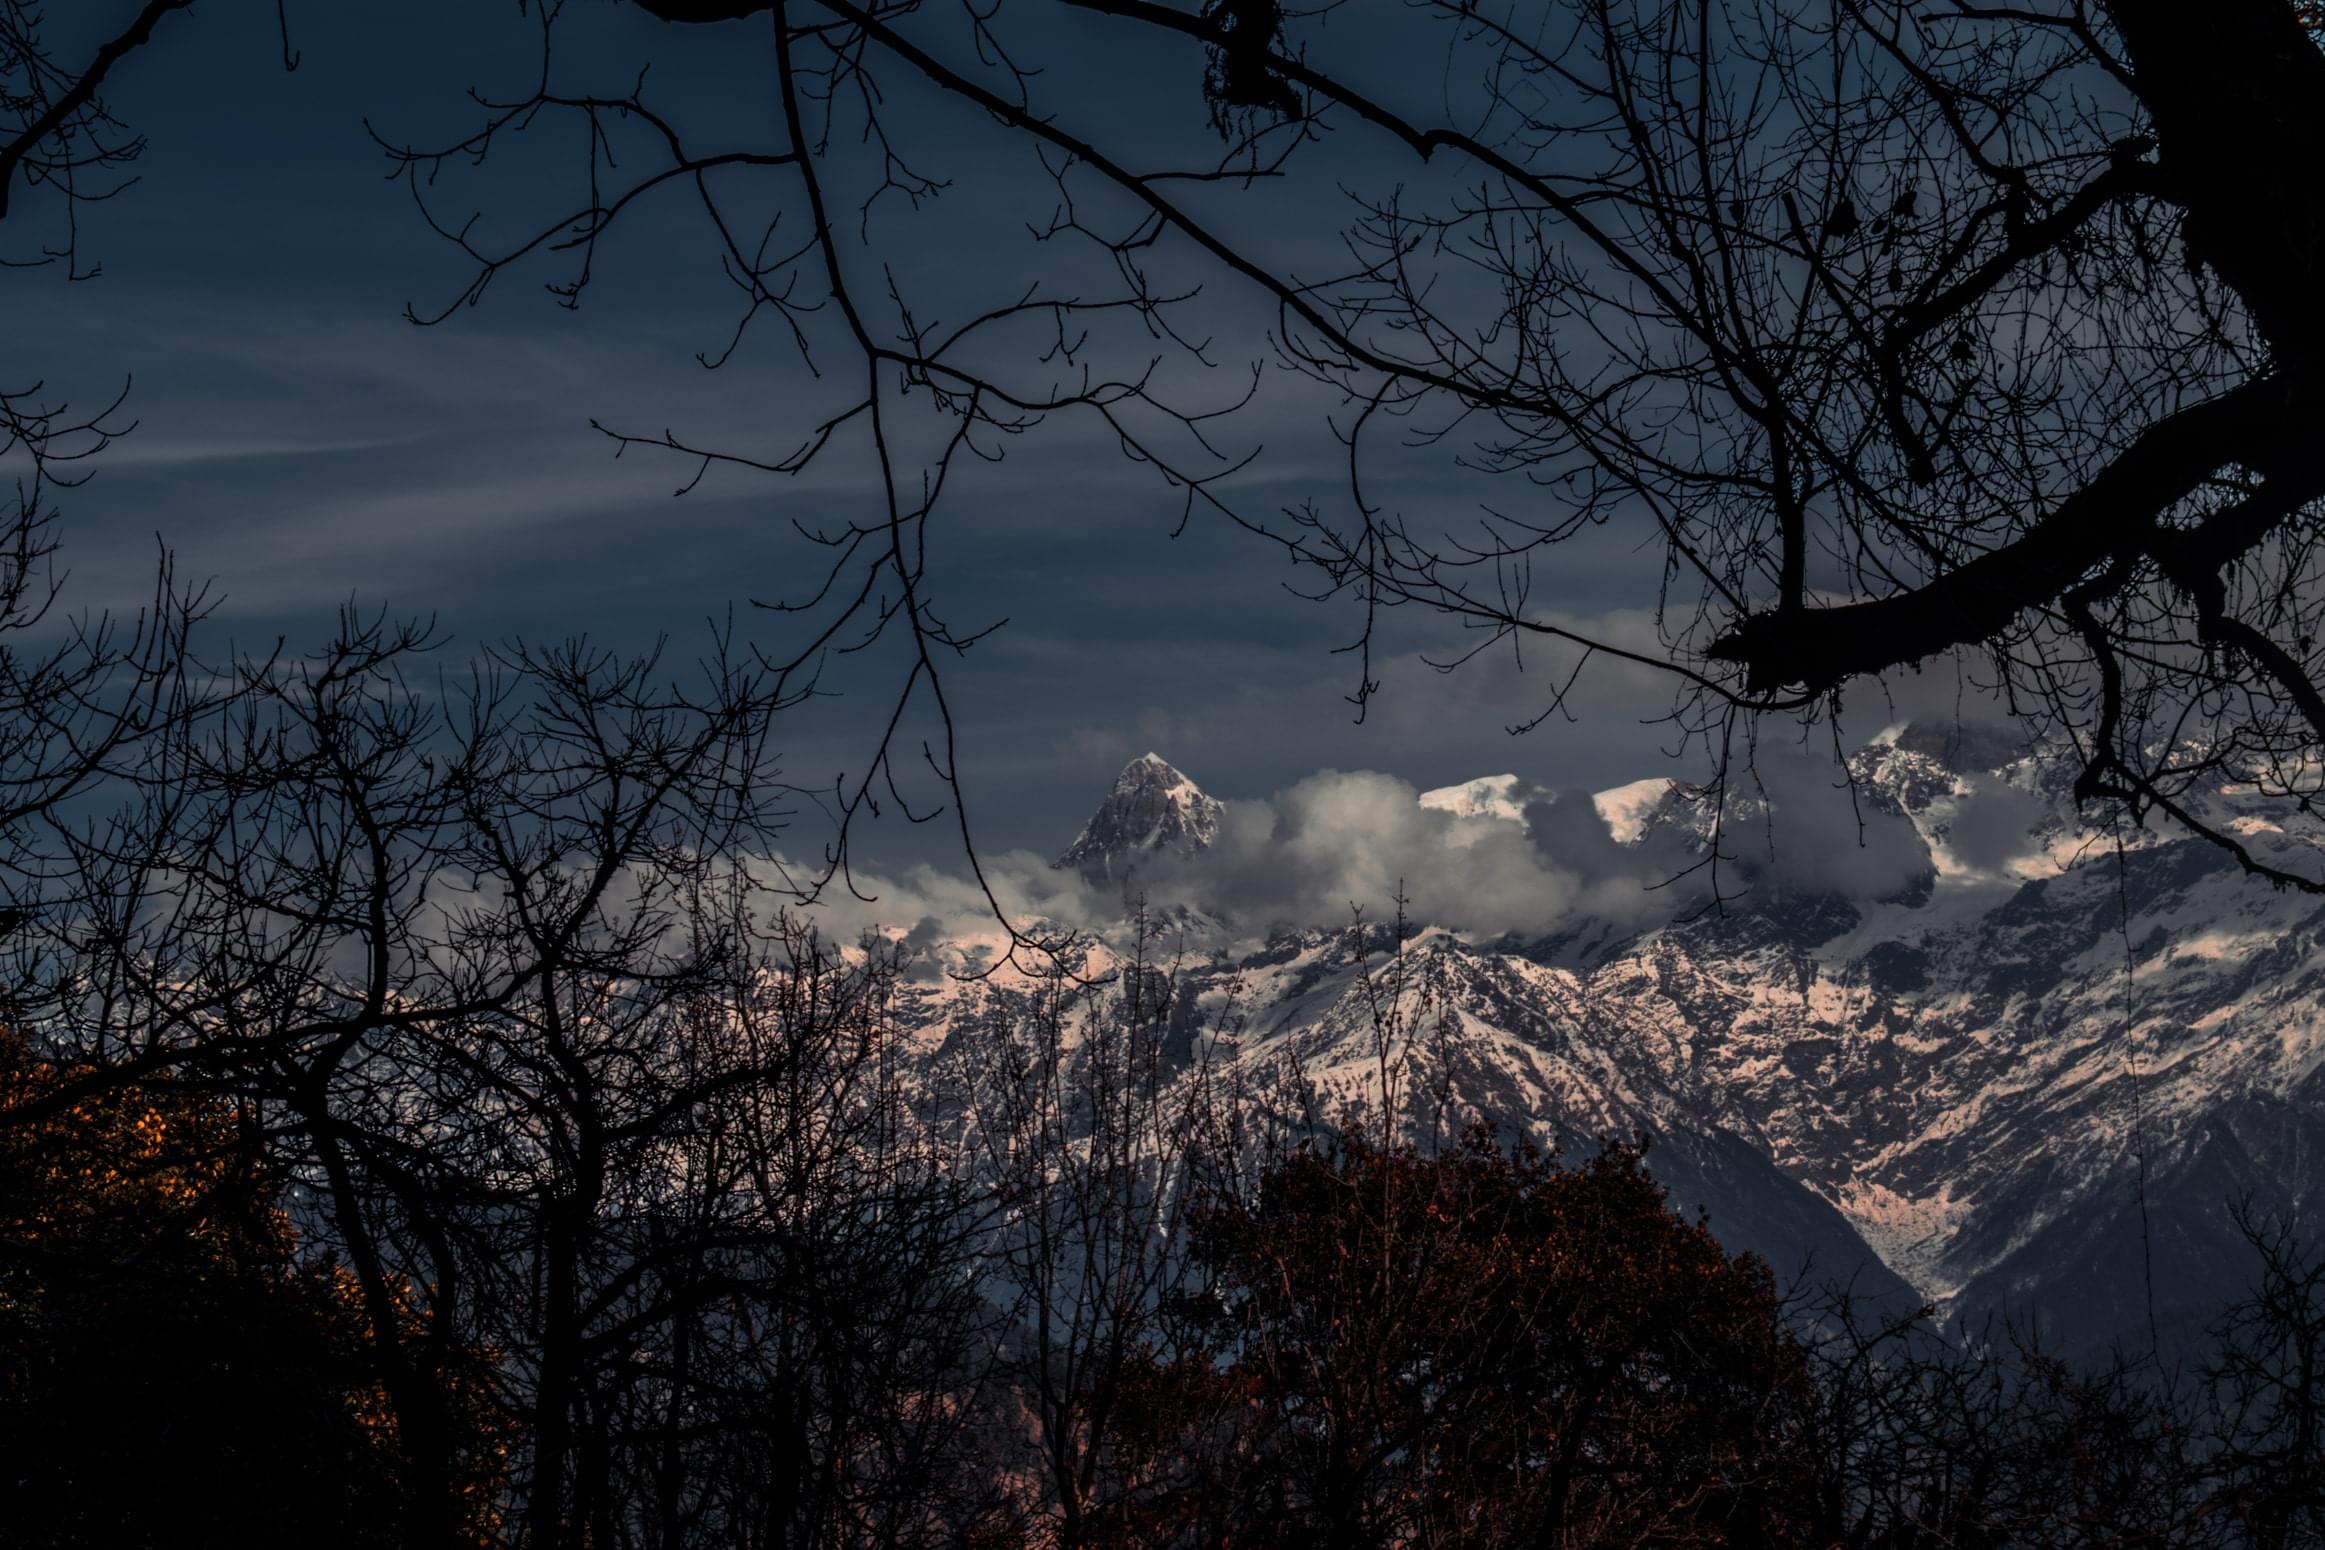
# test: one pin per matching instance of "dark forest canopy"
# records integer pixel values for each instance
(674, 1278)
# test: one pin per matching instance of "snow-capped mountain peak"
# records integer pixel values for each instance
(1488, 796)
(2024, 1080)
(1625, 808)
(1628, 807)
(1152, 809)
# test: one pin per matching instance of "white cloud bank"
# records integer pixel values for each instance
(1355, 839)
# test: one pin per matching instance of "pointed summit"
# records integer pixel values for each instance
(1152, 808)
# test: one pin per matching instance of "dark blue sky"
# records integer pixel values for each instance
(302, 444)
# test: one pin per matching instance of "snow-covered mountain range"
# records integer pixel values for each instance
(1972, 1052)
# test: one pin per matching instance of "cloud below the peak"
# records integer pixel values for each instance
(1346, 840)
(1796, 824)
(1343, 841)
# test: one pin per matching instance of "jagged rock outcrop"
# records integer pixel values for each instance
(1152, 809)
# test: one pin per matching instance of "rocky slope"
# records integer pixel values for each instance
(1152, 809)
(2024, 1070)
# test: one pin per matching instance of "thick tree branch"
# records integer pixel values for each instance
(2237, 90)
(1977, 601)
(82, 91)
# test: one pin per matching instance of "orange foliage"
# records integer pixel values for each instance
(129, 1159)
(170, 1371)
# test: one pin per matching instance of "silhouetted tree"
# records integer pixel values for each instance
(1095, 1111)
(172, 1371)
(1480, 1348)
(2266, 1379)
(798, 1360)
(1913, 1437)
(607, 1149)
(1901, 330)
(1904, 331)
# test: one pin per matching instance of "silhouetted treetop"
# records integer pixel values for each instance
(1483, 1347)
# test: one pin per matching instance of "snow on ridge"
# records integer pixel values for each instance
(1924, 1066)
(1626, 808)
(1488, 796)
(1907, 1233)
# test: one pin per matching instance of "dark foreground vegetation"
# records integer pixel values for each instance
(671, 1259)
(424, 1122)
(421, 1125)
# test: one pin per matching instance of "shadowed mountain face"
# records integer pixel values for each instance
(2034, 1086)
(1152, 808)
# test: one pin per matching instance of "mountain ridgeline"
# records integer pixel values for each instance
(1153, 809)
(2028, 1075)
